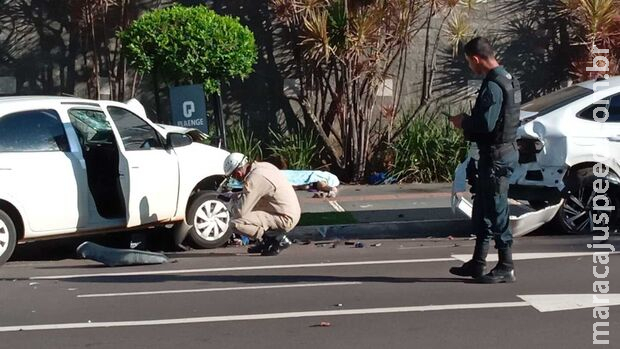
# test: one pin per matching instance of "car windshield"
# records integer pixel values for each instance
(556, 99)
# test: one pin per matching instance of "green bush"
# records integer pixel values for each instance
(428, 151)
(190, 44)
(301, 150)
(242, 142)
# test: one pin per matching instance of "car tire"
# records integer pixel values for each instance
(8, 237)
(575, 213)
(209, 219)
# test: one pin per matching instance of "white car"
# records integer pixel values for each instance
(559, 143)
(70, 165)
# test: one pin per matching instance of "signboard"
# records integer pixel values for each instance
(188, 107)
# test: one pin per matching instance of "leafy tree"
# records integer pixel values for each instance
(184, 45)
(596, 25)
(345, 50)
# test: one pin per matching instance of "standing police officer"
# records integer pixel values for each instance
(492, 125)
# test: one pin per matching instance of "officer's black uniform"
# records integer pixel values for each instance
(493, 127)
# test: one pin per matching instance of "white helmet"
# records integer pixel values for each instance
(233, 161)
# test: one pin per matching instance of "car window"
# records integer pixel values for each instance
(91, 126)
(135, 132)
(556, 99)
(613, 107)
(32, 131)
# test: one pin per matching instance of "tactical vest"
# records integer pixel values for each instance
(505, 130)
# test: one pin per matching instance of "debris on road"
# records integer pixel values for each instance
(376, 245)
(339, 305)
(113, 257)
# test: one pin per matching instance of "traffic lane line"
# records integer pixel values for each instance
(245, 268)
(453, 258)
(255, 317)
(219, 289)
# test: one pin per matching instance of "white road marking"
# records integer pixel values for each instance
(261, 267)
(556, 302)
(250, 317)
(336, 206)
(544, 302)
(525, 256)
(220, 289)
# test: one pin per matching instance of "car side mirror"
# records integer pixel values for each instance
(177, 140)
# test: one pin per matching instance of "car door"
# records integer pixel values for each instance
(42, 171)
(149, 172)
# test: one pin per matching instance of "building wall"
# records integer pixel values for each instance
(40, 53)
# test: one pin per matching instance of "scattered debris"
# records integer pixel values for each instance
(376, 245)
(339, 305)
(113, 257)
(323, 243)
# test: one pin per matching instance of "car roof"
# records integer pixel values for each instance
(44, 98)
(613, 81)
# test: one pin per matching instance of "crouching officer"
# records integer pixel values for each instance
(492, 125)
(267, 208)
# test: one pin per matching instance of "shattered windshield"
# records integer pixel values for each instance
(557, 99)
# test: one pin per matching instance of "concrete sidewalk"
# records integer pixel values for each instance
(381, 212)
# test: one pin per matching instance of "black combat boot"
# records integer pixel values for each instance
(474, 267)
(504, 270)
(261, 245)
(277, 244)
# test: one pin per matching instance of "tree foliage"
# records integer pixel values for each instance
(190, 45)
(345, 51)
(596, 25)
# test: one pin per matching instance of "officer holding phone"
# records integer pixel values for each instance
(492, 125)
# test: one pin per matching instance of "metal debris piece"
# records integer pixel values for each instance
(113, 257)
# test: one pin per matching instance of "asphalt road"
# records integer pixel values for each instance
(396, 295)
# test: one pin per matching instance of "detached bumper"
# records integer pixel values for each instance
(523, 219)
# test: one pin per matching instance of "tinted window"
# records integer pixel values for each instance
(556, 99)
(613, 107)
(30, 131)
(135, 132)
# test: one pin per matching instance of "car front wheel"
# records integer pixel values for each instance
(210, 220)
(8, 237)
(575, 215)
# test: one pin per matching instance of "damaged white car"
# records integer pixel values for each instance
(561, 137)
(76, 166)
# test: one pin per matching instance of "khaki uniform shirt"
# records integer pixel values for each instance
(266, 189)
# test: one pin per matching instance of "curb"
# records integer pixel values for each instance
(384, 230)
